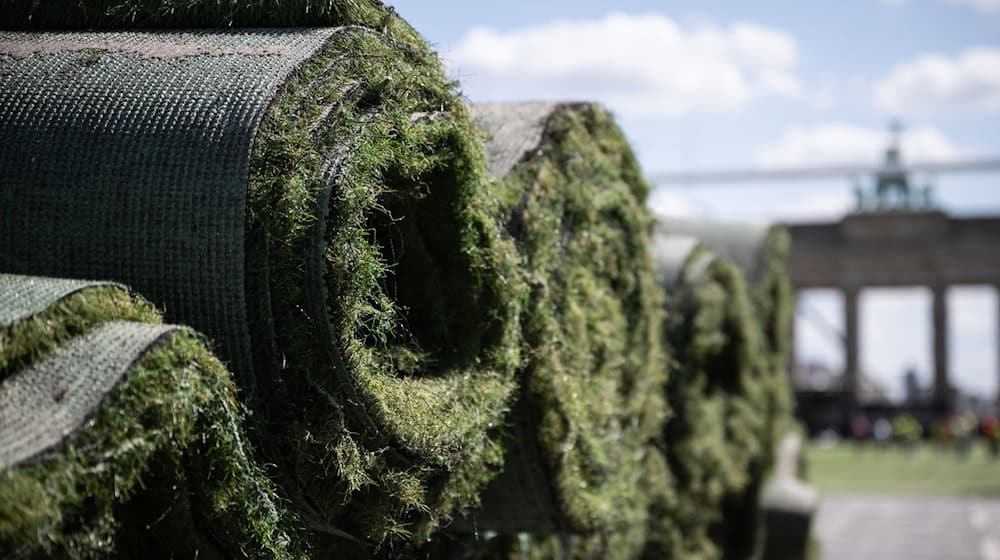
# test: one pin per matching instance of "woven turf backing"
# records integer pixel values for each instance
(126, 157)
(26, 296)
(515, 131)
(118, 434)
(45, 403)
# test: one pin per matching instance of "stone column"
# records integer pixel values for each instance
(851, 355)
(942, 394)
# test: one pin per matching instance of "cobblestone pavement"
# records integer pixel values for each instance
(867, 527)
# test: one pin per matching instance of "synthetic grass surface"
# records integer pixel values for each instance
(717, 431)
(405, 275)
(162, 461)
(773, 300)
(573, 203)
(341, 246)
(22, 343)
(756, 297)
(761, 254)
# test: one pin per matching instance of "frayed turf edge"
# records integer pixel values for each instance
(718, 427)
(176, 410)
(575, 208)
(390, 432)
(22, 343)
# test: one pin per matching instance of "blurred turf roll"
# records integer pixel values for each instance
(120, 435)
(315, 201)
(591, 399)
(716, 437)
(761, 254)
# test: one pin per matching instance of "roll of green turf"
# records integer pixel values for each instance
(316, 202)
(120, 436)
(716, 433)
(619, 541)
(761, 253)
(573, 201)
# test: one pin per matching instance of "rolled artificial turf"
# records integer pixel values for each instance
(581, 471)
(590, 400)
(316, 202)
(761, 253)
(717, 389)
(121, 436)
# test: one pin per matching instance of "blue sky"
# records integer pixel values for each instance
(699, 84)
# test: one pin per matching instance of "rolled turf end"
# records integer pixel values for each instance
(159, 460)
(410, 281)
(342, 246)
(718, 392)
(590, 403)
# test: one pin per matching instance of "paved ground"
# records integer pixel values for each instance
(867, 527)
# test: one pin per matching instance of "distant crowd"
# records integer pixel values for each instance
(958, 431)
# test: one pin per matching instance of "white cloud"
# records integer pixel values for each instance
(969, 81)
(986, 6)
(841, 143)
(822, 98)
(637, 64)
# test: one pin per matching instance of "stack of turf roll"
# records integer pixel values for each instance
(741, 325)
(120, 435)
(590, 400)
(761, 253)
(716, 432)
(313, 199)
(405, 315)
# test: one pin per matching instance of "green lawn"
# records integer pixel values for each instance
(925, 470)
